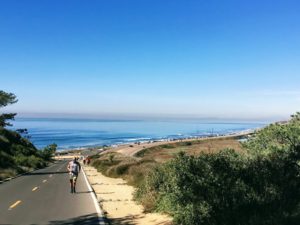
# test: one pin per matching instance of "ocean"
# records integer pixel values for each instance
(82, 133)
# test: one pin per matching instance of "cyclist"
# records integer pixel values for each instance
(74, 169)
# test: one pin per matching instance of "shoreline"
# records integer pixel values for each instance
(130, 149)
(154, 141)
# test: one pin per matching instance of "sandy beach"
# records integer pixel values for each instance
(131, 148)
(116, 200)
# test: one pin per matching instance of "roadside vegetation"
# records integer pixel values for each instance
(17, 153)
(254, 183)
(165, 152)
(134, 169)
(117, 165)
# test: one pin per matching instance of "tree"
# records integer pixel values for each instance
(6, 99)
(17, 153)
(48, 151)
(276, 137)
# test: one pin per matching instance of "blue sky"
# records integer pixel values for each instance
(225, 59)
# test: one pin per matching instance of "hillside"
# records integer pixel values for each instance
(256, 182)
(17, 153)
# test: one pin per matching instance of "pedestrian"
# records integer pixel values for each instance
(74, 169)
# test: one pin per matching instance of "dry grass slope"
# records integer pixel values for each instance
(134, 169)
(165, 152)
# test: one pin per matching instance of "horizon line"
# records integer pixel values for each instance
(154, 116)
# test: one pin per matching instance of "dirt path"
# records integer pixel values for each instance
(117, 203)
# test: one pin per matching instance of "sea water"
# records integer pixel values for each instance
(80, 133)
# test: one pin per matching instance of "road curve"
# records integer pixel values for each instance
(43, 197)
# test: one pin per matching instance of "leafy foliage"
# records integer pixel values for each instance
(117, 165)
(17, 153)
(230, 188)
(48, 152)
(276, 137)
(6, 99)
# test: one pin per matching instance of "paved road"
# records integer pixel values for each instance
(43, 197)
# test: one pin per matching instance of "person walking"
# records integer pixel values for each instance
(74, 169)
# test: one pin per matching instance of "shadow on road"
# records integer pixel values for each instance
(92, 219)
(88, 219)
(127, 220)
(83, 192)
(131, 220)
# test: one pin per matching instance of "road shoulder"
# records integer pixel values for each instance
(116, 198)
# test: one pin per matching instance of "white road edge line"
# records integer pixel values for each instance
(93, 195)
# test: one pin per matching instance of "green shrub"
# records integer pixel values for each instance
(122, 169)
(275, 137)
(103, 165)
(111, 157)
(145, 151)
(167, 146)
(6, 160)
(230, 188)
(17, 153)
(32, 161)
(188, 143)
(132, 170)
(148, 190)
(225, 188)
(137, 172)
(48, 152)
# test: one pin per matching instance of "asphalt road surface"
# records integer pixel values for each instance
(43, 197)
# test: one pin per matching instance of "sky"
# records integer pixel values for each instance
(206, 59)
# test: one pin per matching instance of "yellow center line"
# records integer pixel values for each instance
(35, 188)
(44, 181)
(14, 205)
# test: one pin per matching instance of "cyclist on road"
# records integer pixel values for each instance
(74, 169)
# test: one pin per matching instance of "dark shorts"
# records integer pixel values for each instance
(73, 176)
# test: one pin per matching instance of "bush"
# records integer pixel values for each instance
(276, 137)
(225, 188)
(32, 161)
(103, 165)
(147, 191)
(230, 188)
(122, 168)
(48, 152)
(167, 146)
(17, 153)
(137, 172)
(117, 165)
(188, 143)
(6, 160)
